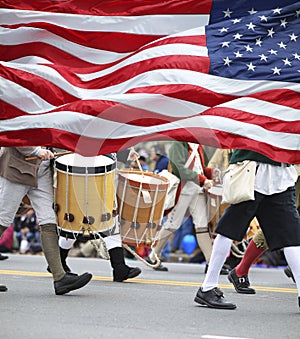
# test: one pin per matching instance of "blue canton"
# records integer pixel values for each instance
(255, 43)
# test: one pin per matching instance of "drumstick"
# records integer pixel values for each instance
(55, 155)
(137, 159)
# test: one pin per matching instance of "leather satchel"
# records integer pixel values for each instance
(238, 182)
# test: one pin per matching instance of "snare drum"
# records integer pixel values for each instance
(141, 197)
(85, 194)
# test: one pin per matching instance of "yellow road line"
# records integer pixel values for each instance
(155, 282)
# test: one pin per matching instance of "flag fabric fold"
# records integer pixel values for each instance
(99, 76)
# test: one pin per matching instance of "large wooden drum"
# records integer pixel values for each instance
(141, 197)
(85, 194)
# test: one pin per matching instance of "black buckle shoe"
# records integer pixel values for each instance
(288, 272)
(71, 282)
(3, 288)
(214, 299)
(242, 284)
(160, 267)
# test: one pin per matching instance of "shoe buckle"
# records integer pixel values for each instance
(218, 292)
(242, 280)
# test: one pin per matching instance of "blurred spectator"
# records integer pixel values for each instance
(27, 232)
(158, 155)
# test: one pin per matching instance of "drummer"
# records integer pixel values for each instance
(19, 177)
(188, 164)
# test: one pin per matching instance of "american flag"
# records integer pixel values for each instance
(99, 76)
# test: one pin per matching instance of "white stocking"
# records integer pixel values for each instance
(292, 255)
(221, 248)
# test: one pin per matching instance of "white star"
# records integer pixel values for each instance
(297, 13)
(296, 56)
(237, 36)
(272, 51)
(225, 43)
(287, 62)
(227, 13)
(227, 61)
(253, 11)
(276, 70)
(281, 45)
(251, 67)
(248, 48)
(277, 10)
(223, 29)
(258, 42)
(283, 22)
(263, 18)
(263, 57)
(271, 32)
(251, 26)
(238, 54)
(236, 21)
(293, 37)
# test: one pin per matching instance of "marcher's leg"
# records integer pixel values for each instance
(164, 236)
(3, 288)
(292, 255)
(63, 282)
(49, 239)
(64, 247)
(209, 294)
(121, 271)
(204, 242)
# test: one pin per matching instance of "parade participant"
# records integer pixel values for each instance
(20, 177)
(111, 238)
(158, 155)
(113, 245)
(275, 209)
(188, 164)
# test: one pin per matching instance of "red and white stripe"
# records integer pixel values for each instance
(102, 81)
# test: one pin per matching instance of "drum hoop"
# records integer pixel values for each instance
(145, 185)
(85, 170)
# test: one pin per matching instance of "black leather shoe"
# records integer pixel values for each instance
(71, 282)
(288, 272)
(160, 267)
(3, 288)
(3, 257)
(242, 284)
(224, 270)
(214, 299)
(133, 272)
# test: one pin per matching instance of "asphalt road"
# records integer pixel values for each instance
(153, 306)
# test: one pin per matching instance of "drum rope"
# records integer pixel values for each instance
(86, 192)
(157, 260)
(137, 203)
(100, 248)
(152, 212)
(104, 207)
(123, 197)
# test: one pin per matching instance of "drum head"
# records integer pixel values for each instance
(146, 179)
(76, 163)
